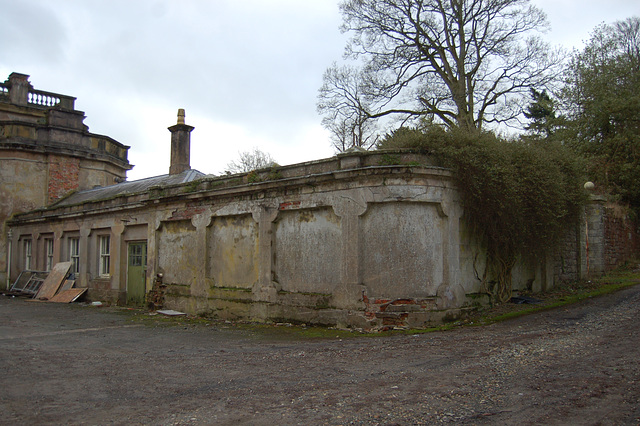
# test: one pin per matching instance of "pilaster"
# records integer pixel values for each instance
(83, 274)
(265, 289)
(117, 266)
(348, 294)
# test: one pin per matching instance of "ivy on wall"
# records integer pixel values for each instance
(519, 196)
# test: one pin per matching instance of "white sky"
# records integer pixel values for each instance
(246, 72)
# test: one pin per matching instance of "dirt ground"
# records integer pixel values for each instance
(71, 364)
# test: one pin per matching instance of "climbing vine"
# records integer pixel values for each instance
(519, 197)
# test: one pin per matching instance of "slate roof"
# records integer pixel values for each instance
(136, 186)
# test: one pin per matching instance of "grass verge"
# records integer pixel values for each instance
(562, 296)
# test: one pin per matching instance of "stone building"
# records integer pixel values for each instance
(363, 239)
(46, 152)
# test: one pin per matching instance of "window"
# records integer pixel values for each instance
(104, 256)
(74, 255)
(137, 256)
(27, 255)
(48, 247)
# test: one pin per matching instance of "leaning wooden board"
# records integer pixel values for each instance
(68, 296)
(53, 281)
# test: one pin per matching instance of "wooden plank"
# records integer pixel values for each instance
(54, 280)
(68, 285)
(171, 313)
(68, 296)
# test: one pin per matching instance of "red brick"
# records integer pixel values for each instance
(63, 177)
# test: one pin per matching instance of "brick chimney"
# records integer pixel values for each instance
(180, 145)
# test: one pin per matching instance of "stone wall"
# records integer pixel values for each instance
(18, 194)
(604, 238)
(567, 258)
(622, 241)
(345, 241)
(309, 243)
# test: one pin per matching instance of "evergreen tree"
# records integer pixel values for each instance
(542, 115)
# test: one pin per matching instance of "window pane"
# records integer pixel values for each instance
(104, 261)
(49, 254)
(74, 254)
(27, 254)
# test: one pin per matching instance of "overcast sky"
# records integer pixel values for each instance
(246, 72)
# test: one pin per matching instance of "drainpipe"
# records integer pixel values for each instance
(586, 235)
(589, 186)
(9, 237)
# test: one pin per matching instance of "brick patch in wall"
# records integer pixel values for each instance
(394, 312)
(622, 241)
(187, 213)
(289, 205)
(63, 177)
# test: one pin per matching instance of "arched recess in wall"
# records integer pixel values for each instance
(401, 250)
(232, 251)
(308, 250)
(177, 257)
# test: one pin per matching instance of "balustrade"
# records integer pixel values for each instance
(17, 90)
(43, 99)
(48, 99)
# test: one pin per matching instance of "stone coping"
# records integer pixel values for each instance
(342, 171)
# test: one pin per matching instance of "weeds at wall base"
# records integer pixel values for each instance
(562, 296)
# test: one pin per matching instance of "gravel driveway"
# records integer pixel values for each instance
(68, 364)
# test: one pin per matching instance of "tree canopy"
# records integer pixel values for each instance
(460, 63)
(602, 104)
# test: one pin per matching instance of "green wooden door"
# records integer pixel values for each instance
(137, 273)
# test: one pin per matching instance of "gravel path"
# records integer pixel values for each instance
(80, 365)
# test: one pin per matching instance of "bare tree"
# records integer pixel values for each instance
(466, 63)
(342, 98)
(249, 161)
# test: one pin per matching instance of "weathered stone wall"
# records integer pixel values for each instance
(311, 247)
(46, 151)
(306, 242)
(23, 187)
(233, 251)
(604, 238)
(592, 244)
(568, 255)
(622, 242)
(342, 241)
(177, 258)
